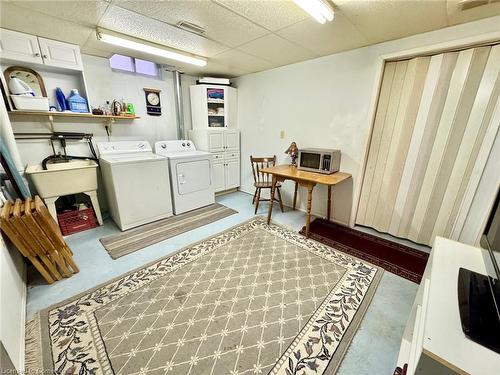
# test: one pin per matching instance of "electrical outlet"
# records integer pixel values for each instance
(282, 134)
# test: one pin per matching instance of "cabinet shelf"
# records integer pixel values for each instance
(70, 115)
(215, 115)
(218, 101)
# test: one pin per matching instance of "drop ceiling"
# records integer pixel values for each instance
(241, 36)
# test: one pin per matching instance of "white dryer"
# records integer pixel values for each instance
(136, 181)
(190, 174)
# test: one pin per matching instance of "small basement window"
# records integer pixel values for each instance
(133, 65)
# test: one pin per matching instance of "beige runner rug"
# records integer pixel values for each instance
(254, 299)
(138, 238)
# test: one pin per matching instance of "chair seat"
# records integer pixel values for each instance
(266, 185)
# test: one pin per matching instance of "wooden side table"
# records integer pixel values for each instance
(280, 173)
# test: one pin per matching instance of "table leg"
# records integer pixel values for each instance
(271, 201)
(295, 195)
(308, 212)
(329, 207)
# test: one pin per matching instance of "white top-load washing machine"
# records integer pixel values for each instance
(190, 174)
(136, 181)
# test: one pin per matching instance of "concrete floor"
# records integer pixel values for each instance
(375, 346)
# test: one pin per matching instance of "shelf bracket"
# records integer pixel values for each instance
(51, 122)
(108, 123)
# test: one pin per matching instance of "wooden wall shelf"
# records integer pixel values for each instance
(70, 115)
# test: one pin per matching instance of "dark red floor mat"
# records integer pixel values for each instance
(393, 257)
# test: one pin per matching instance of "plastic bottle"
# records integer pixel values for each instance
(61, 100)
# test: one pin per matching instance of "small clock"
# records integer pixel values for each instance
(153, 105)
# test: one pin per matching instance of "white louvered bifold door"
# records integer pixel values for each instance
(432, 116)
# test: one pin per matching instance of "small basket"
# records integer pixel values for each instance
(76, 221)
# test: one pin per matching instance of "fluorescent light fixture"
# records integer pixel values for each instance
(320, 10)
(146, 48)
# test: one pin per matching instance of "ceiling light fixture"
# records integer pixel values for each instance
(320, 10)
(146, 48)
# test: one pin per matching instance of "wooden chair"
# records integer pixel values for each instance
(263, 180)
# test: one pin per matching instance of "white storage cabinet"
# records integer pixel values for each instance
(224, 144)
(213, 106)
(433, 342)
(18, 46)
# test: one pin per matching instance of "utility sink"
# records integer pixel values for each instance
(75, 176)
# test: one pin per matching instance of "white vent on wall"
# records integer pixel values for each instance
(469, 4)
(191, 27)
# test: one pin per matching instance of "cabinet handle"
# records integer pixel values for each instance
(45, 56)
(37, 54)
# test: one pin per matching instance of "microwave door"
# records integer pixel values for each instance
(310, 160)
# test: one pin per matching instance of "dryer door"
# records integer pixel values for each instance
(193, 176)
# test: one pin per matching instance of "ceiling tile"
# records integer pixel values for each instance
(276, 49)
(338, 35)
(33, 22)
(239, 60)
(86, 13)
(457, 16)
(271, 14)
(220, 24)
(139, 26)
(387, 20)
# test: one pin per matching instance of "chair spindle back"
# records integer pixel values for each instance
(260, 163)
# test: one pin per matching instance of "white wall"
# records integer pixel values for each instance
(103, 84)
(326, 102)
(12, 303)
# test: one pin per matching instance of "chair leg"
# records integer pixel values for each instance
(280, 200)
(257, 200)
(254, 196)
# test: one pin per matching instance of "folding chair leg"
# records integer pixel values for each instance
(40, 268)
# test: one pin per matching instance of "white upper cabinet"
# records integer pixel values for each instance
(60, 54)
(28, 48)
(19, 46)
(213, 106)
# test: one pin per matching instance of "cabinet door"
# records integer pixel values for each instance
(215, 141)
(19, 46)
(232, 140)
(218, 178)
(231, 106)
(232, 173)
(60, 54)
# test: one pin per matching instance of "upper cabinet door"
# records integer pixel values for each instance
(231, 106)
(232, 140)
(215, 141)
(19, 46)
(60, 54)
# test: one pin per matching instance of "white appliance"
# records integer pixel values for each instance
(190, 174)
(137, 182)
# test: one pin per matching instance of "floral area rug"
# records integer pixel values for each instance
(255, 299)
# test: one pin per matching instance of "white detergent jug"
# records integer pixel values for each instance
(19, 87)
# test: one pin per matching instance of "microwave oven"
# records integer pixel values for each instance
(319, 160)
